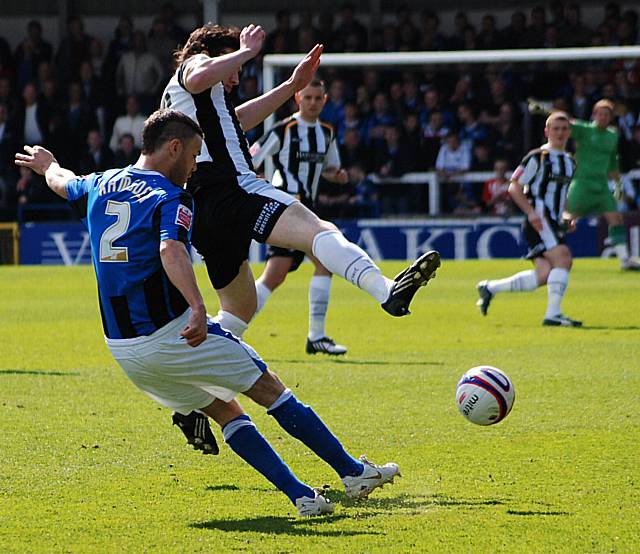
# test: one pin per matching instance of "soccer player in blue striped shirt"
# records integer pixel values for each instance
(154, 317)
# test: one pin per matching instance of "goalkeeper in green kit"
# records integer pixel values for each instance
(597, 163)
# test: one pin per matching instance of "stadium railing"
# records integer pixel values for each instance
(431, 180)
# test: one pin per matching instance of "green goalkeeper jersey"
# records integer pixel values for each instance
(596, 154)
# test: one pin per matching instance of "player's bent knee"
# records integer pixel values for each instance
(266, 390)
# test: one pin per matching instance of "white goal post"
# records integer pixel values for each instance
(396, 59)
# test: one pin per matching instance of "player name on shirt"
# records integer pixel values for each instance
(138, 187)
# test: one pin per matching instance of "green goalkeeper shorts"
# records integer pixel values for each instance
(590, 198)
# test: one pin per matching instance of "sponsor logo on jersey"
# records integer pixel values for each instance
(184, 217)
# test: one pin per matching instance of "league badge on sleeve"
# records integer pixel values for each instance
(184, 216)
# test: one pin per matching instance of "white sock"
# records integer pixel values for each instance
(319, 292)
(230, 322)
(556, 286)
(348, 260)
(622, 251)
(263, 292)
(524, 281)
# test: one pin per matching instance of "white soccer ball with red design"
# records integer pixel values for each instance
(485, 395)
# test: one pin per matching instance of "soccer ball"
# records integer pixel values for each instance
(485, 395)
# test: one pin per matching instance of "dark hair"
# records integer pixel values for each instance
(209, 39)
(165, 125)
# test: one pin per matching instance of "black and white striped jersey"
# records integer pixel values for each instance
(545, 174)
(225, 145)
(301, 151)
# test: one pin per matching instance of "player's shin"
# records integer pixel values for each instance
(244, 439)
(524, 281)
(347, 259)
(319, 293)
(618, 236)
(301, 422)
(556, 286)
(263, 292)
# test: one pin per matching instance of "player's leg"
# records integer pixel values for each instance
(560, 261)
(246, 441)
(280, 261)
(523, 281)
(618, 237)
(237, 301)
(359, 477)
(299, 228)
(319, 294)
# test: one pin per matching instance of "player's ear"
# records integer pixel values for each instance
(175, 147)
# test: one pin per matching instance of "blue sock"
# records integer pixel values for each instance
(301, 422)
(245, 440)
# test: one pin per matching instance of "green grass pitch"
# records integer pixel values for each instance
(90, 464)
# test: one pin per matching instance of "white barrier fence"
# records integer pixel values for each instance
(431, 180)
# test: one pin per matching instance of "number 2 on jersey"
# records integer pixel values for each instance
(108, 252)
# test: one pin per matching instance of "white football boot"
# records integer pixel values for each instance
(630, 264)
(372, 477)
(325, 345)
(316, 506)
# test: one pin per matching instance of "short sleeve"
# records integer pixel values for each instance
(332, 158)
(266, 146)
(614, 159)
(526, 171)
(77, 193)
(176, 217)
(198, 58)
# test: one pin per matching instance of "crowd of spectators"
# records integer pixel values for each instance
(87, 100)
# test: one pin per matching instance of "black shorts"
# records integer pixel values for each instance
(226, 219)
(552, 235)
(296, 256)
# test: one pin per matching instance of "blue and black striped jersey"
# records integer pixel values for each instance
(128, 212)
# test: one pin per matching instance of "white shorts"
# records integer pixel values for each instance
(184, 378)
(252, 184)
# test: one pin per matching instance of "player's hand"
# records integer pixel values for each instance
(535, 220)
(569, 222)
(252, 38)
(342, 177)
(538, 106)
(196, 330)
(618, 190)
(37, 158)
(306, 69)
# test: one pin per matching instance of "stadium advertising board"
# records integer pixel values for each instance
(485, 238)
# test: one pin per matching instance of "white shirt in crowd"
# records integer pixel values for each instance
(139, 74)
(453, 160)
(127, 124)
(32, 133)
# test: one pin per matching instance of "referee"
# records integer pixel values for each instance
(303, 148)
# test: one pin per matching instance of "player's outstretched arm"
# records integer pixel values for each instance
(177, 263)
(200, 75)
(255, 111)
(44, 163)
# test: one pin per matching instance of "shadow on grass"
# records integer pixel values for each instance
(409, 502)
(347, 361)
(281, 526)
(222, 488)
(537, 513)
(37, 372)
(610, 328)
